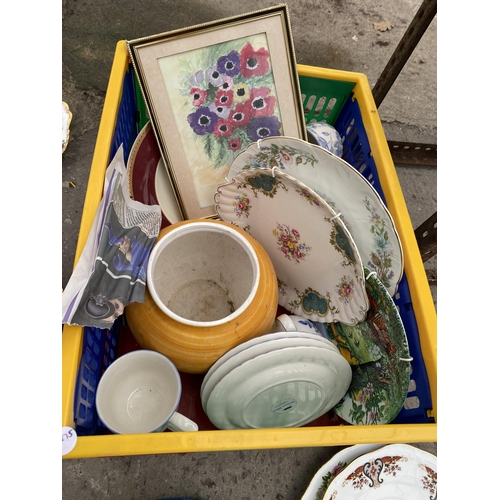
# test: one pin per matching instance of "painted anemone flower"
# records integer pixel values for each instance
(262, 104)
(214, 76)
(223, 128)
(240, 115)
(254, 62)
(234, 144)
(199, 96)
(197, 78)
(230, 64)
(220, 111)
(228, 83)
(241, 93)
(224, 98)
(202, 121)
(262, 127)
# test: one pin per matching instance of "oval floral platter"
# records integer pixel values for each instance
(393, 471)
(319, 270)
(378, 388)
(147, 176)
(344, 189)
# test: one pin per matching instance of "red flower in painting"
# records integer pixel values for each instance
(199, 95)
(224, 98)
(254, 62)
(240, 115)
(234, 144)
(261, 103)
(223, 128)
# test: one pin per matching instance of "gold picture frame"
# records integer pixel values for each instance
(212, 89)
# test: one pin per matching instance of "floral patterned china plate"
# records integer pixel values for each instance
(147, 177)
(322, 479)
(378, 389)
(319, 270)
(344, 189)
(251, 349)
(393, 471)
(286, 387)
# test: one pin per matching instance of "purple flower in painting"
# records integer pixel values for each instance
(260, 128)
(215, 77)
(230, 64)
(202, 121)
(221, 111)
(197, 78)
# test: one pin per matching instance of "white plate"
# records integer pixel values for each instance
(319, 270)
(288, 387)
(165, 194)
(345, 190)
(234, 359)
(397, 471)
(256, 341)
(321, 480)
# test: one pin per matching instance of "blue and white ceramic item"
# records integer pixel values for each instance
(325, 136)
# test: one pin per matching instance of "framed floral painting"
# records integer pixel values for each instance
(213, 89)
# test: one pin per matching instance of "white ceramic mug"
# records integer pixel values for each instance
(294, 323)
(139, 393)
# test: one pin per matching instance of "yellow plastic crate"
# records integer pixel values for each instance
(223, 440)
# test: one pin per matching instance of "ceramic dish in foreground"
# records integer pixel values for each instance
(66, 122)
(287, 387)
(378, 389)
(322, 479)
(233, 360)
(253, 342)
(147, 183)
(344, 189)
(319, 270)
(393, 471)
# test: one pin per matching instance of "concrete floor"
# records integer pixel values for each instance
(336, 34)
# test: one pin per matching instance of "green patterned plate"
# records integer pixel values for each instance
(379, 388)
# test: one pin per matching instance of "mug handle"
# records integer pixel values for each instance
(179, 423)
(286, 322)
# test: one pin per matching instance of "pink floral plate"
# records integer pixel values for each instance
(393, 471)
(319, 270)
(344, 189)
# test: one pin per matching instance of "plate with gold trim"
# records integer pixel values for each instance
(148, 180)
(319, 270)
(393, 471)
(345, 189)
(322, 479)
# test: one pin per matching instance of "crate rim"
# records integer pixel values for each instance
(246, 439)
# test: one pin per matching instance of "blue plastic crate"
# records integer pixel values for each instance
(98, 352)
(357, 152)
(126, 129)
